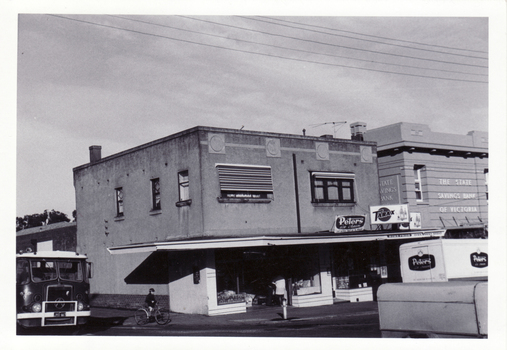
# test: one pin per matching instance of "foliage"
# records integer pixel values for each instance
(46, 218)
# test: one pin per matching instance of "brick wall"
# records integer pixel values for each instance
(125, 301)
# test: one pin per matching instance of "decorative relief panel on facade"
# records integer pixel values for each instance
(366, 154)
(322, 150)
(273, 148)
(216, 143)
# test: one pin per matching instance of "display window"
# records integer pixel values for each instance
(306, 272)
(355, 265)
(248, 275)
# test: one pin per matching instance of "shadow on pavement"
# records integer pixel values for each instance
(94, 323)
(103, 323)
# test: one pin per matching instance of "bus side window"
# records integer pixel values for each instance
(22, 272)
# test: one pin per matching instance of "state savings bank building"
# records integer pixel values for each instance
(209, 216)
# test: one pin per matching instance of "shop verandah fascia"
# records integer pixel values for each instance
(218, 276)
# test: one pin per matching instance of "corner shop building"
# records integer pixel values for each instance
(210, 216)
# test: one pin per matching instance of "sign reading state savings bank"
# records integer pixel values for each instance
(390, 189)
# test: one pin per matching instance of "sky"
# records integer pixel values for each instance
(119, 81)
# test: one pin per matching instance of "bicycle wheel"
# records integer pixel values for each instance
(162, 316)
(141, 316)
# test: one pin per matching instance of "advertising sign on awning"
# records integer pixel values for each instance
(415, 222)
(348, 223)
(389, 214)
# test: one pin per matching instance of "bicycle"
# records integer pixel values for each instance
(161, 315)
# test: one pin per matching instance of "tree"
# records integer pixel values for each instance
(45, 218)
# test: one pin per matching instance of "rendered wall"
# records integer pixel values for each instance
(280, 215)
(98, 226)
(186, 294)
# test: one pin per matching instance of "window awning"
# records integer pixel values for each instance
(329, 175)
(281, 240)
(244, 178)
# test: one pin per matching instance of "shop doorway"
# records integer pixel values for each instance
(357, 270)
(246, 275)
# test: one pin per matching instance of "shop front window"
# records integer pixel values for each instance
(229, 276)
(306, 275)
(356, 265)
(247, 274)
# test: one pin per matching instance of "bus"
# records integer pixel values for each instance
(52, 289)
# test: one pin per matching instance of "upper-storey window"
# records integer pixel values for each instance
(119, 201)
(418, 182)
(245, 181)
(330, 187)
(155, 194)
(183, 185)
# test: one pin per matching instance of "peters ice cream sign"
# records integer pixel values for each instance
(348, 223)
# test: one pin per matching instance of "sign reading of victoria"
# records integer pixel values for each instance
(389, 214)
(349, 223)
(421, 262)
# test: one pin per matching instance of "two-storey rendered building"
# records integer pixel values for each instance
(209, 216)
(443, 177)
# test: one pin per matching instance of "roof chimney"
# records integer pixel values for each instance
(357, 130)
(95, 153)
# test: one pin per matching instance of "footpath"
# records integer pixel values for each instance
(254, 315)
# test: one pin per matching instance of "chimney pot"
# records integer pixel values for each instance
(95, 153)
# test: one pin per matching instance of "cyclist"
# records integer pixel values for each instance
(150, 301)
(151, 312)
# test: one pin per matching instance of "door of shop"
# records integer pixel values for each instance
(248, 272)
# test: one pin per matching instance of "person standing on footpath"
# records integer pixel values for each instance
(279, 283)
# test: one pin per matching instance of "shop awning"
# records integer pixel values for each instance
(280, 240)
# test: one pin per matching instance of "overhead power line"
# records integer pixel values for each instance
(335, 45)
(292, 49)
(376, 36)
(367, 40)
(263, 54)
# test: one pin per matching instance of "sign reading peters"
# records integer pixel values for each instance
(348, 223)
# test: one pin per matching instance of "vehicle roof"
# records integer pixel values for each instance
(52, 254)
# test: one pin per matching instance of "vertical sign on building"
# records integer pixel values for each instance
(390, 189)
